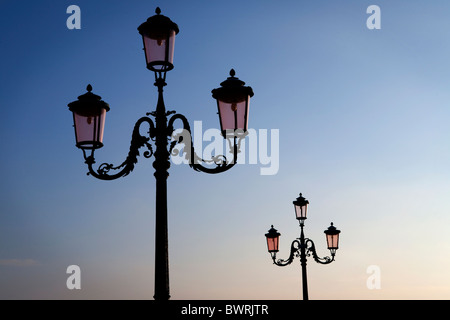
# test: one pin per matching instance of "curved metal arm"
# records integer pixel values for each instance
(311, 249)
(295, 247)
(137, 141)
(220, 161)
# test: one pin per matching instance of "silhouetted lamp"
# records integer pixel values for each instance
(332, 238)
(233, 99)
(89, 113)
(273, 240)
(301, 206)
(302, 247)
(158, 34)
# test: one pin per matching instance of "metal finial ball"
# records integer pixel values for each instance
(158, 10)
(232, 72)
(89, 88)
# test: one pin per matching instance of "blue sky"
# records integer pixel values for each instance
(363, 134)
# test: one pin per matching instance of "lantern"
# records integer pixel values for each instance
(273, 240)
(89, 113)
(301, 206)
(233, 100)
(332, 235)
(158, 34)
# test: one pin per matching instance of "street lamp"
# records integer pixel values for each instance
(332, 238)
(233, 100)
(302, 247)
(273, 240)
(300, 206)
(158, 34)
(89, 111)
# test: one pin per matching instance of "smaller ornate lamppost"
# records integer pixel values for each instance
(302, 247)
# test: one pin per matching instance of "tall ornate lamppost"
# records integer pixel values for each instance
(89, 111)
(302, 247)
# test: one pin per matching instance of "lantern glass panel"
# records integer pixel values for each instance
(159, 51)
(89, 129)
(233, 115)
(333, 241)
(300, 211)
(272, 244)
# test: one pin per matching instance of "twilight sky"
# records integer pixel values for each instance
(355, 119)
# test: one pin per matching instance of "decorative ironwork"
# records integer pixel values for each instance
(300, 248)
(296, 247)
(311, 249)
(138, 141)
(220, 161)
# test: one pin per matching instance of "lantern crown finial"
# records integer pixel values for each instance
(88, 102)
(272, 233)
(158, 10)
(301, 200)
(332, 230)
(234, 82)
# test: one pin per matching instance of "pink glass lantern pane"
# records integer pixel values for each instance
(272, 244)
(233, 115)
(159, 51)
(89, 129)
(332, 241)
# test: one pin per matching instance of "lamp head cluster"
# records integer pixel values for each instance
(301, 206)
(158, 36)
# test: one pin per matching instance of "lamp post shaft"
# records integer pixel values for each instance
(161, 165)
(303, 263)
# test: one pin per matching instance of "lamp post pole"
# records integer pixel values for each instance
(302, 247)
(89, 112)
(161, 165)
(303, 263)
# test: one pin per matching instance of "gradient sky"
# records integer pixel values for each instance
(363, 119)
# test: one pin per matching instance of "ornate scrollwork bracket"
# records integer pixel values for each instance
(295, 248)
(137, 141)
(220, 162)
(311, 250)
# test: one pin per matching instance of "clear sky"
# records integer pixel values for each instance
(363, 132)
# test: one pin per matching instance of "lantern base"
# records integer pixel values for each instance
(159, 66)
(89, 145)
